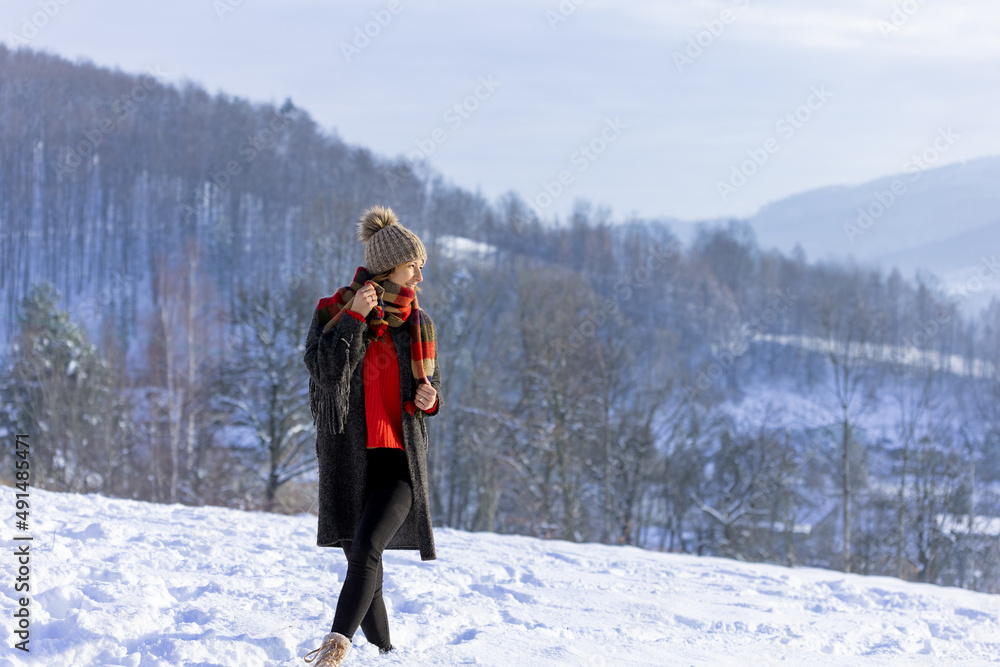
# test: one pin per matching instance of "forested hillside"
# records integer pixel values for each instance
(162, 250)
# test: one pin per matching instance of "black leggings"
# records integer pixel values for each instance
(388, 496)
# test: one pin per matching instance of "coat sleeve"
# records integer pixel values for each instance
(331, 359)
(436, 378)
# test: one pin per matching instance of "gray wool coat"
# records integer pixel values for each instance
(337, 400)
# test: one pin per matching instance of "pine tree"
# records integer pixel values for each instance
(61, 393)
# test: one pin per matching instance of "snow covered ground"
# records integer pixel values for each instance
(120, 582)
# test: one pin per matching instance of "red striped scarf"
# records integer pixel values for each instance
(396, 304)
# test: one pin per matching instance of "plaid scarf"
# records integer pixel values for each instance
(396, 304)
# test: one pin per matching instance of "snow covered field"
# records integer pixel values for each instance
(120, 582)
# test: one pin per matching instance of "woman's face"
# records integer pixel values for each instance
(408, 274)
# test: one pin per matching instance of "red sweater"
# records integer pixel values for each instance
(383, 404)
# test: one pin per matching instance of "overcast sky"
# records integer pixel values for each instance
(667, 99)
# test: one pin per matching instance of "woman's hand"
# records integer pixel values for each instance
(365, 299)
(426, 395)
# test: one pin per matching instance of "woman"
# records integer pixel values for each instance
(372, 359)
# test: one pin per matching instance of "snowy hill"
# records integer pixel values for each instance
(119, 582)
(461, 248)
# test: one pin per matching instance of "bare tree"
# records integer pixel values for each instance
(264, 388)
(745, 475)
(633, 399)
(559, 382)
(187, 317)
(851, 329)
(912, 387)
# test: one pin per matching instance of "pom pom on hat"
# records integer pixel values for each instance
(387, 243)
(374, 220)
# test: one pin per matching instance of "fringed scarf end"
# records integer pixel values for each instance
(329, 409)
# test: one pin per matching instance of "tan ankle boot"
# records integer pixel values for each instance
(332, 652)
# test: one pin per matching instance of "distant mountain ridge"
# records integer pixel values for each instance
(945, 220)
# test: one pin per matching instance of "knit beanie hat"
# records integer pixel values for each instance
(387, 243)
